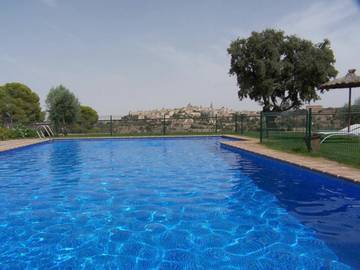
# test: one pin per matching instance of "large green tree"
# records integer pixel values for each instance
(88, 117)
(19, 104)
(280, 71)
(63, 108)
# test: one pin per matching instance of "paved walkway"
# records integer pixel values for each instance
(314, 163)
(12, 144)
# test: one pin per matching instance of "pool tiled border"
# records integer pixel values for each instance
(318, 164)
(19, 143)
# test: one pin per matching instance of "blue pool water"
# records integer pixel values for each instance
(170, 204)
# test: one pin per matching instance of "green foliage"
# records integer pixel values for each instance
(355, 113)
(18, 132)
(342, 149)
(4, 133)
(63, 108)
(357, 102)
(21, 131)
(18, 104)
(278, 71)
(88, 118)
(355, 108)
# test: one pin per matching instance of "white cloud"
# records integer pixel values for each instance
(50, 3)
(178, 76)
(7, 59)
(335, 20)
(338, 21)
(325, 17)
(163, 71)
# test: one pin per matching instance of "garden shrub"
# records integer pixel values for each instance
(17, 132)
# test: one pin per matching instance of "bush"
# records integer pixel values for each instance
(4, 133)
(17, 133)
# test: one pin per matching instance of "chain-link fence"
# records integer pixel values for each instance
(339, 135)
(128, 125)
(285, 130)
(332, 133)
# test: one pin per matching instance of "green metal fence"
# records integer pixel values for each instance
(285, 129)
(318, 132)
(339, 141)
(322, 133)
(128, 125)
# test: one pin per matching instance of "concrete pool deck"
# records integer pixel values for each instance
(13, 144)
(313, 163)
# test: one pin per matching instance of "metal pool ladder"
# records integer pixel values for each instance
(44, 130)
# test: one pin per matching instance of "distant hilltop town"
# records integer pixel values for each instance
(193, 111)
(205, 119)
(190, 111)
(185, 119)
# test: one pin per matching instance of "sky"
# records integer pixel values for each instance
(120, 56)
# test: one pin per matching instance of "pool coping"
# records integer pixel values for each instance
(9, 145)
(317, 164)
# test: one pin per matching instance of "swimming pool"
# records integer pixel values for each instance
(184, 203)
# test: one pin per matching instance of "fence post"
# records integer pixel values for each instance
(261, 127)
(216, 123)
(163, 124)
(242, 124)
(111, 126)
(236, 125)
(266, 123)
(349, 111)
(309, 127)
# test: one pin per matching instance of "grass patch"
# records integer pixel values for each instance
(341, 149)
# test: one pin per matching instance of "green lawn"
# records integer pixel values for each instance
(341, 149)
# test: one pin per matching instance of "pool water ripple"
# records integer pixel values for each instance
(162, 204)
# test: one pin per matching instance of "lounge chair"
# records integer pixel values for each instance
(354, 131)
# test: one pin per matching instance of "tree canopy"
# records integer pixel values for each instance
(279, 71)
(88, 117)
(19, 104)
(63, 108)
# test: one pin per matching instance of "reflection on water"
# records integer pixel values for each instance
(156, 204)
(65, 156)
(329, 206)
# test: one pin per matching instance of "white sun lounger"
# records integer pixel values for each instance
(354, 131)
